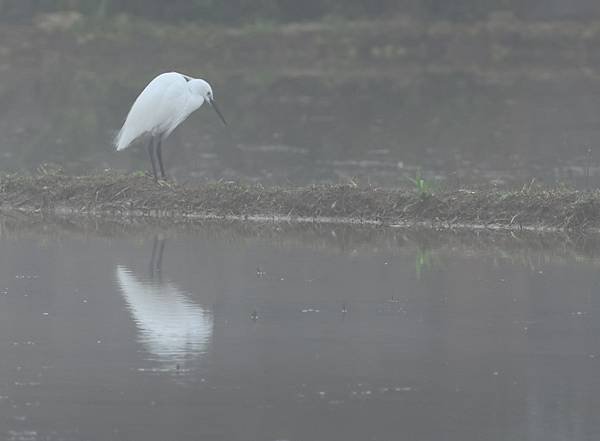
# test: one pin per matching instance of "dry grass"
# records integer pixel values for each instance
(132, 195)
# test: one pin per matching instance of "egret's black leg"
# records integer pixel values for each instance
(151, 153)
(153, 258)
(161, 250)
(159, 156)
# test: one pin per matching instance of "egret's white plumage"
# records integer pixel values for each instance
(164, 104)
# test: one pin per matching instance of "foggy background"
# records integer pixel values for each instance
(463, 92)
(320, 330)
(240, 11)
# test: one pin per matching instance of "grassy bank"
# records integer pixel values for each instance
(117, 195)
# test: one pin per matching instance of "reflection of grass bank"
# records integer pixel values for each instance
(133, 195)
(430, 248)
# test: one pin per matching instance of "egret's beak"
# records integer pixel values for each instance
(213, 103)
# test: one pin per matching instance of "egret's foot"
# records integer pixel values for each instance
(156, 178)
(149, 174)
(164, 182)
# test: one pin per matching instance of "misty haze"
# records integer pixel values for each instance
(386, 229)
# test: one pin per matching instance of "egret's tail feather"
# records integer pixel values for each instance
(123, 140)
(117, 144)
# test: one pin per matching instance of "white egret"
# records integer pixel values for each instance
(164, 104)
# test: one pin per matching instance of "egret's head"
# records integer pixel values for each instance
(202, 88)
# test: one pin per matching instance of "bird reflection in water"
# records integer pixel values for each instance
(172, 327)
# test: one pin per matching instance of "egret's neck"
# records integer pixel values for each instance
(195, 102)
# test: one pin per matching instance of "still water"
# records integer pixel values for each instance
(328, 333)
(314, 106)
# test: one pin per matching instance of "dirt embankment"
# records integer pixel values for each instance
(118, 195)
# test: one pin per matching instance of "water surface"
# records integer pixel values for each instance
(372, 106)
(331, 334)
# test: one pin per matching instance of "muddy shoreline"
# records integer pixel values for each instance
(117, 196)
